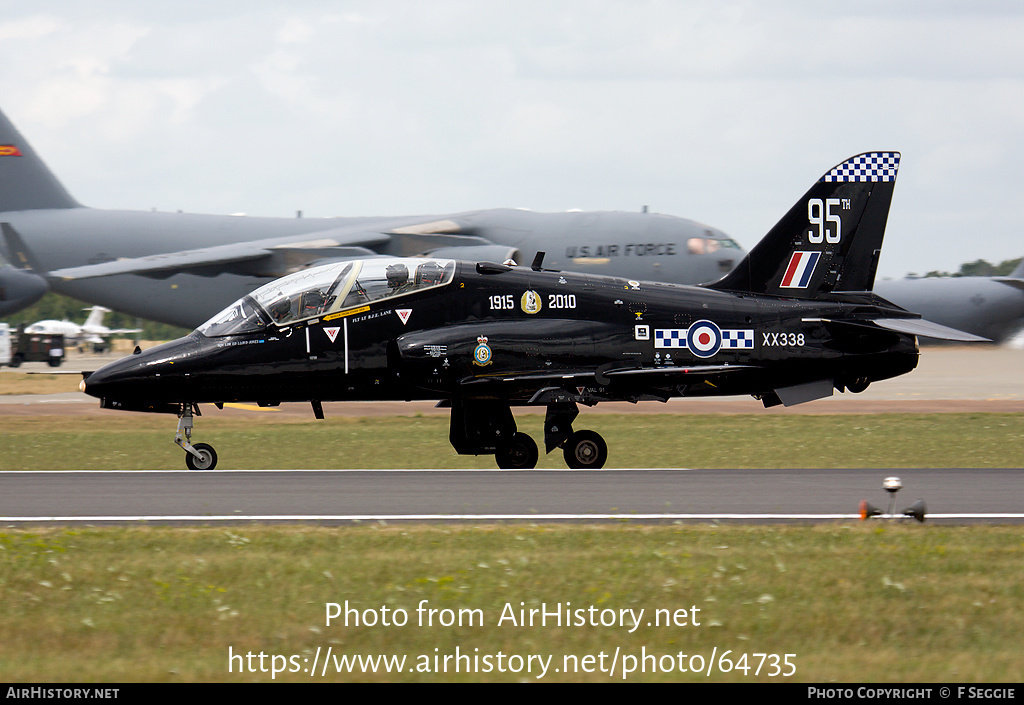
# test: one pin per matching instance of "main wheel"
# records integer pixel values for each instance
(208, 460)
(858, 385)
(585, 450)
(519, 454)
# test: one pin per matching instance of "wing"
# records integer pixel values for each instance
(910, 326)
(272, 257)
(580, 385)
(1010, 281)
(276, 257)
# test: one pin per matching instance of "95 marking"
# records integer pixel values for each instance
(829, 226)
(779, 340)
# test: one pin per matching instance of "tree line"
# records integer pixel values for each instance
(57, 307)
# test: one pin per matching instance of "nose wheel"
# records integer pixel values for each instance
(203, 458)
(200, 456)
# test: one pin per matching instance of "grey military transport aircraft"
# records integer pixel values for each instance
(992, 307)
(179, 268)
(182, 268)
(794, 321)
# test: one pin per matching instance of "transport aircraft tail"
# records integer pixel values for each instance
(830, 240)
(95, 319)
(25, 181)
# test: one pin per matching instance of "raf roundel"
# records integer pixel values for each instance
(704, 338)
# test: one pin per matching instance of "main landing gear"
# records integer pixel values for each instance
(481, 427)
(200, 456)
(478, 427)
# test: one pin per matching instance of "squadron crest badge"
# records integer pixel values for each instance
(482, 353)
(530, 302)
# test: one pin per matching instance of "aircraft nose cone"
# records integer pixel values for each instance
(152, 375)
(106, 380)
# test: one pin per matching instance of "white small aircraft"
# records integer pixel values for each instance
(92, 332)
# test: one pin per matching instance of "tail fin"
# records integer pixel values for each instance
(95, 319)
(830, 240)
(25, 182)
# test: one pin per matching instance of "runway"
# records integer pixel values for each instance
(341, 496)
(974, 379)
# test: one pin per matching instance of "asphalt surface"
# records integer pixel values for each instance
(477, 495)
(980, 379)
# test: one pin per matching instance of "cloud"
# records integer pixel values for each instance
(719, 111)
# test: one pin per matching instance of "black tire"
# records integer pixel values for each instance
(857, 386)
(585, 450)
(17, 360)
(54, 362)
(519, 454)
(209, 459)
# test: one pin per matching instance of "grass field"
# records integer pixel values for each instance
(846, 602)
(145, 441)
(877, 603)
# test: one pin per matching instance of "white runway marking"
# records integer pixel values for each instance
(487, 517)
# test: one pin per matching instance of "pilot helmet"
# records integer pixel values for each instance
(428, 274)
(397, 274)
(281, 309)
(312, 301)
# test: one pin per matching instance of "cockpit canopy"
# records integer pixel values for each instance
(328, 289)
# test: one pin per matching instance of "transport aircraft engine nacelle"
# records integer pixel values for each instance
(19, 289)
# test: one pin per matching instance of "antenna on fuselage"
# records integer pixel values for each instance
(538, 262)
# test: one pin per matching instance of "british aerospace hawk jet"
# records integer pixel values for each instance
(793, 322)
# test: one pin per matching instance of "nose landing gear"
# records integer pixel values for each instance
(200, 456)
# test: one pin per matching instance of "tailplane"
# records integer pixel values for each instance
(830, 240)
(25, 181)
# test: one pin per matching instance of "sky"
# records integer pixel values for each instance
(722, 112)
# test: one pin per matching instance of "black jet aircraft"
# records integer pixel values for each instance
(793, 322)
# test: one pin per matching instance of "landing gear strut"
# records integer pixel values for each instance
(200, 456)
(582, 450)
(481, 427)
